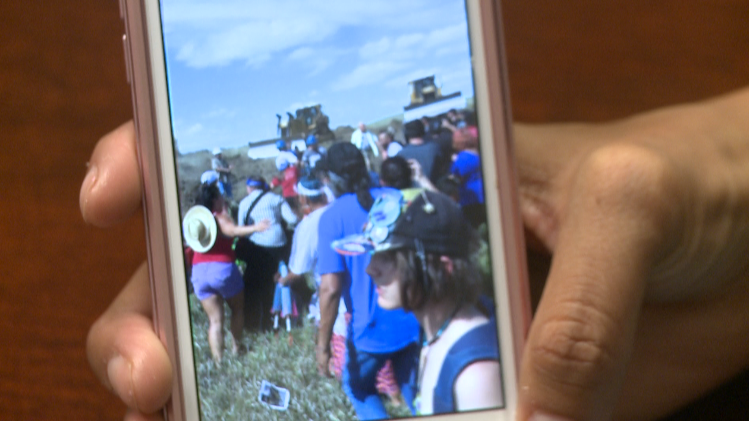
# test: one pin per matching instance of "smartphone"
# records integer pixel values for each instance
(234, 104)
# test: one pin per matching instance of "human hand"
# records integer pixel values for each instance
(262, 225)
(644, 308)
(322, 355)
(416, 172)
(123, 350)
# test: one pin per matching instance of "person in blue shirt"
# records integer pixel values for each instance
(422, 262)
(375, 335)
(466, 168)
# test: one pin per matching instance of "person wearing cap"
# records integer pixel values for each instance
(219, 164)
(209, 231)
(422, 262)
(269, 247)
(210, 177)
(312, 154)
(374, 334)
(303, 258)
(288, 169)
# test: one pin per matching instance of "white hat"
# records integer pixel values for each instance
(209, 177)
(199, 228)
(217, 151)
(285, 159)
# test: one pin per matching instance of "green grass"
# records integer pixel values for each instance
(229, 390)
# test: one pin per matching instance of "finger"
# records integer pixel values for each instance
(111, 190)
(614, 228)
(125, 353)
(545, 154)
(137, 416)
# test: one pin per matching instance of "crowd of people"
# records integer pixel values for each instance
(401, 309)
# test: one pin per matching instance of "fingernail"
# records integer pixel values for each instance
(119, 372)
(88, 183)
(91, 172)
(543, 416)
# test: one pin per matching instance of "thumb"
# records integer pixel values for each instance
(614, 226)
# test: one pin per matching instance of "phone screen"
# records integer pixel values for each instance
(304, 134)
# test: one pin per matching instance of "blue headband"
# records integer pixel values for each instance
(254, 183)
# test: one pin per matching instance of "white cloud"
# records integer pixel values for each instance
(382, 59)
(368, 74)
(205, 34)
(313, 60)
(301, 54)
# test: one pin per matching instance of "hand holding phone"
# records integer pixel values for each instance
(546, 229)
(398, 337)
(111, 193)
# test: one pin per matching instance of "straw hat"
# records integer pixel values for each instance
(199, 228)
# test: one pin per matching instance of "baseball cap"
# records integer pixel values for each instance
(282, 163)
(217, 151)
(310, 187)
(311, 140)
(414, 219)
(281, 144)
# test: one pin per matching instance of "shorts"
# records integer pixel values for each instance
(216, 278)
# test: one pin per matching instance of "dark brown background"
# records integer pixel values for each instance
(62, 86)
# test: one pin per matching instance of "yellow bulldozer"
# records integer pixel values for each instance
(306, 121)
(427, 100)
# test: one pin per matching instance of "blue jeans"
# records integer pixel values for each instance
(360, 373)
(225, 189)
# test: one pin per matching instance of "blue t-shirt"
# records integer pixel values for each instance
(467, 167)
(373, 329)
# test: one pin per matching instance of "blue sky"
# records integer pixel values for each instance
(232, 65)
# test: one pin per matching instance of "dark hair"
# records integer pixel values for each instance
(363, 195)
(463, 285)
(314, 200)
(207, 195)
(413, 129)
(386, 132)
(396, 173)
(348, 173)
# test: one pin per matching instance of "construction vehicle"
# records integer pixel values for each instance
(427, 100)
(293, 131)
(307, 121)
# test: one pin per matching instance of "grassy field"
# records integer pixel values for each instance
(229, 391)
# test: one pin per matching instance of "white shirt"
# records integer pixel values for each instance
(393, 148)
(272, 207)
(303, 259)
(365, 140)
